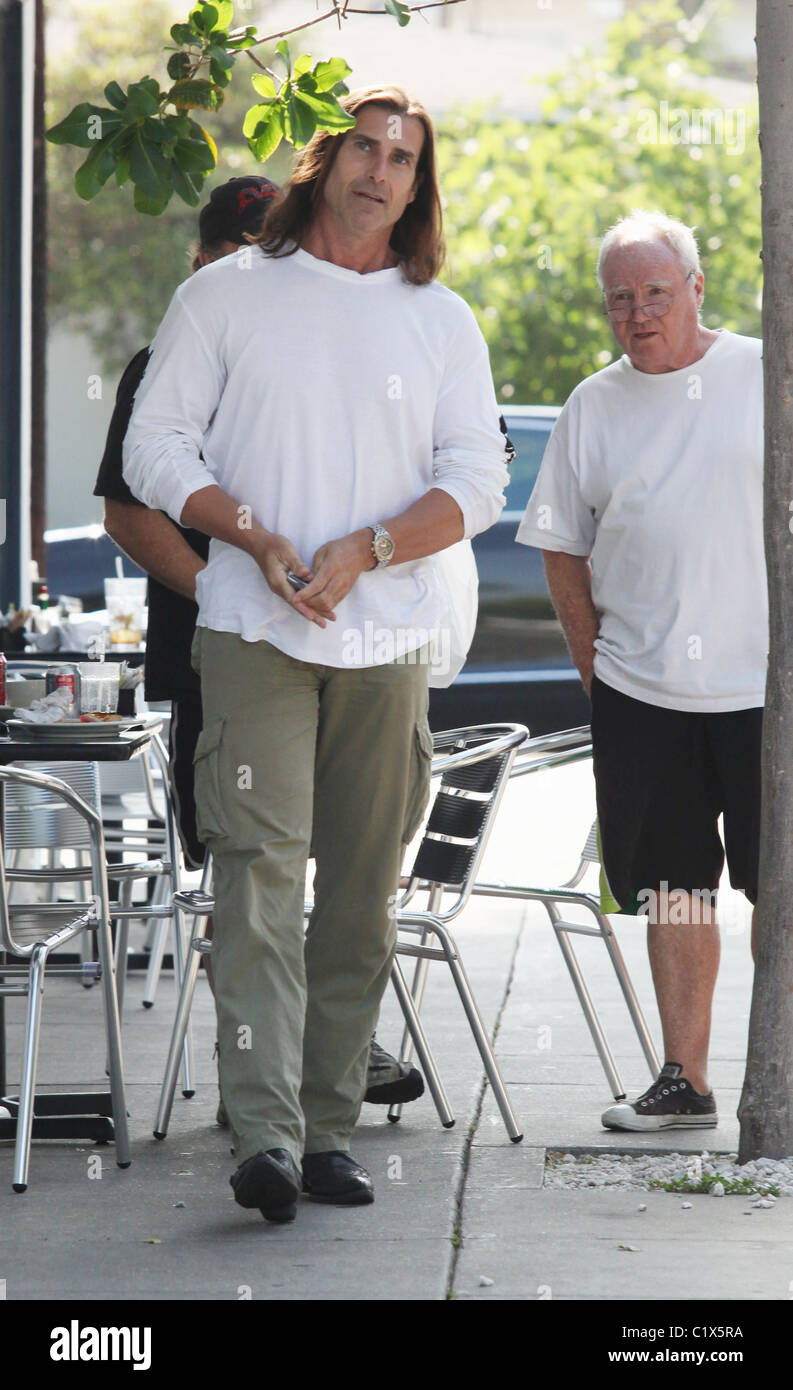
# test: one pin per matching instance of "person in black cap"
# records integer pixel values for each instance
(173, 556)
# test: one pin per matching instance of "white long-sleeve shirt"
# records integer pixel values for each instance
(323, 400)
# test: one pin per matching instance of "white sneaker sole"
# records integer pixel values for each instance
(625, 1117)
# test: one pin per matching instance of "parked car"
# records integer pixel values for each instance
(518, 667)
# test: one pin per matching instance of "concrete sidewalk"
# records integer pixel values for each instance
(453, 1207)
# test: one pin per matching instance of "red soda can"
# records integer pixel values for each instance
(65, 678)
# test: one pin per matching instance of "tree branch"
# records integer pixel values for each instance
(341, 14)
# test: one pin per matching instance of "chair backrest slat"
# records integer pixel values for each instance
(36, 819)
(464, 806)
(457, 815)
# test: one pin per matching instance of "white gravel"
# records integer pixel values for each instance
(624, 1172)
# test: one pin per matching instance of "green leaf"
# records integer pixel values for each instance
(148, 167)
(302, 64)
(264, 84)
(212, 18)
(256, 116)
(184, 34)
(122, 170)
(283, 49)
(74, 128)
(151, 206)
(329, 73)
(329, 114)
(220, 76)
(247, 40)
(266, 132)
(187, 185)
(400, 12)
(225, 9)
(181, 127)
(204, 17)
(179, 65)
(94, 172)
(221, 57)
(142, 99)
(196, 93)
(204, 135)
(300, 121)
(194, 156)
(156, 131)
(115, 96)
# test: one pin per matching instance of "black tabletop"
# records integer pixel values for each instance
(43, 750)
(134, 656)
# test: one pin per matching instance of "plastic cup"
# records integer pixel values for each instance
(99, 687)
(125, 600)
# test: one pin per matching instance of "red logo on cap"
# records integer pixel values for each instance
(246, 196)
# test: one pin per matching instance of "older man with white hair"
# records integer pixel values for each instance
(648, 510)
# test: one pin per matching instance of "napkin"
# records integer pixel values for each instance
(50, 709)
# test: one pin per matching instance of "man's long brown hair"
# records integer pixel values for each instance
(417, 238)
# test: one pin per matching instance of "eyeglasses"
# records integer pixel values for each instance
(659, 305)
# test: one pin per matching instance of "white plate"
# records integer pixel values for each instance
(70, 730)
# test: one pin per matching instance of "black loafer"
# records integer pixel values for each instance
(271, 1182)
(335, 1177)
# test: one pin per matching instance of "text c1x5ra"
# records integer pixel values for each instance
(652, 1334)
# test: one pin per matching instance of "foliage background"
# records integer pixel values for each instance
(526, 201)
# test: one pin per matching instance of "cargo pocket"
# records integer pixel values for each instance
(195, 651)
(208, 797)
(418, 792)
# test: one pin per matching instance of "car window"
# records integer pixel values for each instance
(530, 438)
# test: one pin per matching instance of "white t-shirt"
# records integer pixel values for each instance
(659, 479)
(324, 401)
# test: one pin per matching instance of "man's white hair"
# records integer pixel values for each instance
(651, 226)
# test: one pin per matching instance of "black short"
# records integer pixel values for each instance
(663, 777)
(186, 721)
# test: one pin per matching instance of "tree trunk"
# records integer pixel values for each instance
(766, 1108)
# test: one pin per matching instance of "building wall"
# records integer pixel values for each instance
(76, 426)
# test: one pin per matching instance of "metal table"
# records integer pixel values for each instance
(66, 1115)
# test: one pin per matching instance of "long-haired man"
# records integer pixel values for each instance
(342, 437)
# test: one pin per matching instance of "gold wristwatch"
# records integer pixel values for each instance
(382, 546)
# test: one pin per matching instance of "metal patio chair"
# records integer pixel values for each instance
(474, 766)
(139, 791)
(35, 820)
(31, 932)
(555, 750)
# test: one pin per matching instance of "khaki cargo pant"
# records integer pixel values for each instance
(295, 756)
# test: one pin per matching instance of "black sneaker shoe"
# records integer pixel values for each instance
(389, 1082)
(270, 1181)
(670, 1103)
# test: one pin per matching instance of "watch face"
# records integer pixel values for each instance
(383, 546)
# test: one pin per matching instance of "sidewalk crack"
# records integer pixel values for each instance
(457, 1235)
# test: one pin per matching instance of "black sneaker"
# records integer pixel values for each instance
(670, 1103)
(389, 1082)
